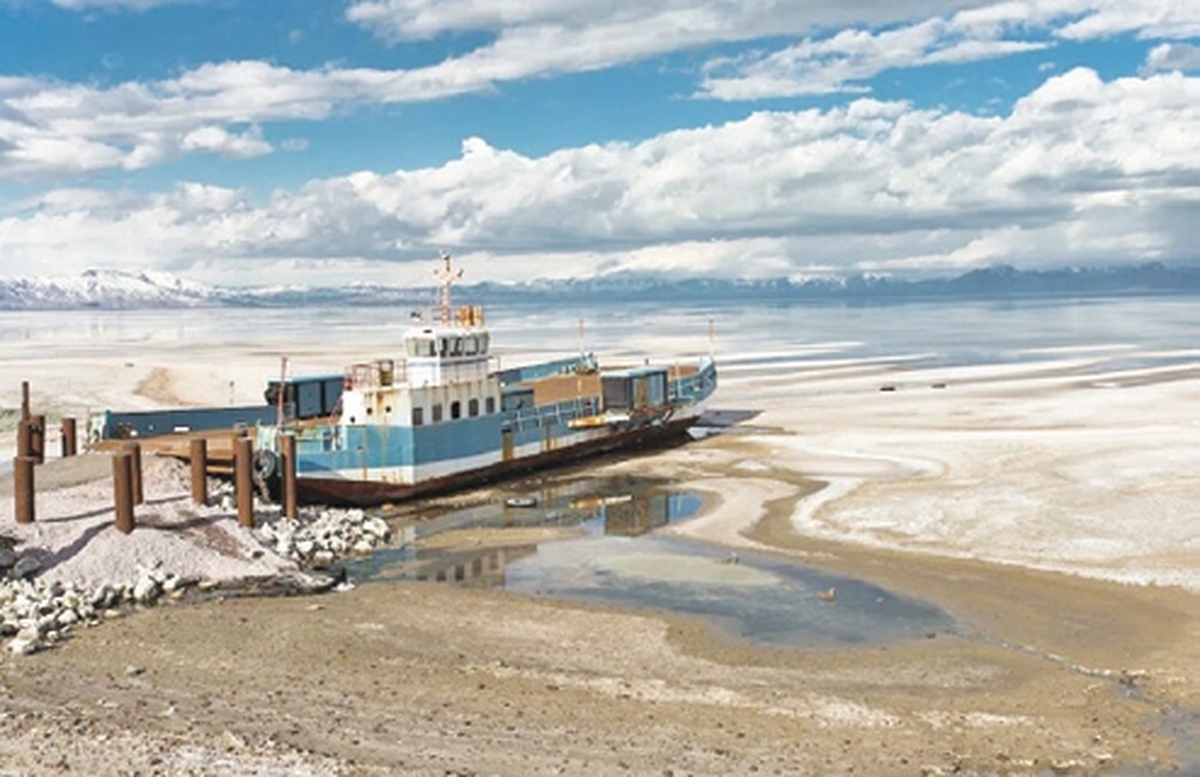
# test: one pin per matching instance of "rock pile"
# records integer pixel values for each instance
(36, 614)
(320, 536)
(39, 607)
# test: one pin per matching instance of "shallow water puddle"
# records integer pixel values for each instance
(613, 556)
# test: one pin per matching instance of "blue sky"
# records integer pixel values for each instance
(297, 141)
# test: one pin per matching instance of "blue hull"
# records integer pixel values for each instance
(372, 464)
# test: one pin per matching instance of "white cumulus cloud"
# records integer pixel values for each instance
(1082, 170)
(1173, 56)
(50, 129)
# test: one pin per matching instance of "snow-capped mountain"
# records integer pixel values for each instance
(112, 289)
(124, 290)
(118, 289)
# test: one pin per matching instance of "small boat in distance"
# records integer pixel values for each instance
(440, 417)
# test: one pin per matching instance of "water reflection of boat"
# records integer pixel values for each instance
(445, 416)
(592, 502)
(484, 568)
(630, 517)
(480, 568)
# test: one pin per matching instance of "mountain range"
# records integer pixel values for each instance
(124, 290)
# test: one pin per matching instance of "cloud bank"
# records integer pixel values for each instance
(51, 130)
(1081, 170)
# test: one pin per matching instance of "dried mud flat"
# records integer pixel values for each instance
(1055, 674)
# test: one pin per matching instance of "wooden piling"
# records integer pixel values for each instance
(123, 489)
(69, 438)
(288, 478)
(198, 454)
(23, 491)
(24, 400)
(243, 481)
(37, 438)
(135, 463)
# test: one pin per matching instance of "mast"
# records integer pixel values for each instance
(446, 276)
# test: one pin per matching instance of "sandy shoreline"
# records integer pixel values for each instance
(1056, 672)
(1047, 508)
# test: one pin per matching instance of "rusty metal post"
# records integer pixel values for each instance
(288, 478)
(24, 437)
(243, 483)
(198, 455)
(70, 441)
(24, 400)
(123, 490)
(23, 492)
(135, 463)
(37, 438)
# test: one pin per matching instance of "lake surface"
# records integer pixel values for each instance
(946, 332)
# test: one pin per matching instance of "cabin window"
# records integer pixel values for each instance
(437, 412)
(456, 346)
(473, 407)
(471, 346)
(483, 342)
(456, 409)
(490, 405)
(444, 347)
(420, 347)
(418, 416)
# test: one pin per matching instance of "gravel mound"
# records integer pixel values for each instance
(72, 567)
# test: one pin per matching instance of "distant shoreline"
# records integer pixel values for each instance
(121, 290)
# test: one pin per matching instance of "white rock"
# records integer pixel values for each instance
(377, 527)
(145, 590)
(100, 597)
(23, 647)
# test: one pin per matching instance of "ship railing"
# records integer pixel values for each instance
(694, 387)
(557, 414)
(380, 373)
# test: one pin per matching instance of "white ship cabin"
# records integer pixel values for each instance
(445, 376)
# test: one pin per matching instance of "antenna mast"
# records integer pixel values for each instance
(446, 276)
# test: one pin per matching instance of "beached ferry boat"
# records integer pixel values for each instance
(442, 416)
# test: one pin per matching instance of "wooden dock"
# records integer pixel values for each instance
(220, 444)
